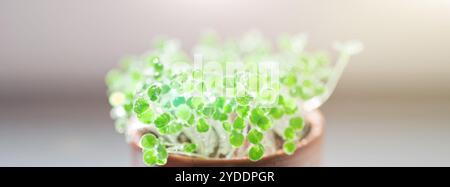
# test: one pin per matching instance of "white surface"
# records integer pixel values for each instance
(387, 133)
(358, 133)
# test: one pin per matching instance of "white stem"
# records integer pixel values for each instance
(347, 50)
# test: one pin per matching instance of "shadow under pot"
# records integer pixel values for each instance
(308, 153)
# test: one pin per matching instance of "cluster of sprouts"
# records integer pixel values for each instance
(232, 99)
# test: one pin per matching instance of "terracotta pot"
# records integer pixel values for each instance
(308, 151)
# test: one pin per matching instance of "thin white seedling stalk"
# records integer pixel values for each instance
(346, 51)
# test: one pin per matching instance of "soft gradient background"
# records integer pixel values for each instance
(392, 107)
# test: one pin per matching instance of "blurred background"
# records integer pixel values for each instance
(391, 108)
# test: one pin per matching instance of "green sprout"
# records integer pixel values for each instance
(242, 104)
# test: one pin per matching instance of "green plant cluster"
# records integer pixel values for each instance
(163, 92)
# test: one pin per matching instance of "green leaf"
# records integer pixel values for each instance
(129, 95)
(190, 148)
(150, 157)
(172, 128)
(128, 107)
(165, 89)
(162, 155)
(183, 112)
(256, 152)
(236, 139)
(254, 136)
(158, 66)
(191, 120)
(179, 101)
(140, 105)
(152, 59)
(281, 100)
(297, 123)
(162, 152)
(202, 125)
(276, 112)
(208, 111)
(153, 92)
(195, 102)
(228, 108)
(149, 141)
(162, 120)
(220, 102)
(164, 130)
(136, 76)
(319, 89)
(219, 116)
(256, 114)
(244, 100)
(296, 91)
(290, 106)
(226, 126)
(167, 105)
(264, 123)
(289, 133)
(308, 83)
(239, 123)
(289, 147)
(307, 94)
(289, 80)
(146, 117)
(258, 118)
(242, 111)
(175, 128)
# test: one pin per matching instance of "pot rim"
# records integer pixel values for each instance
(314, 118)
